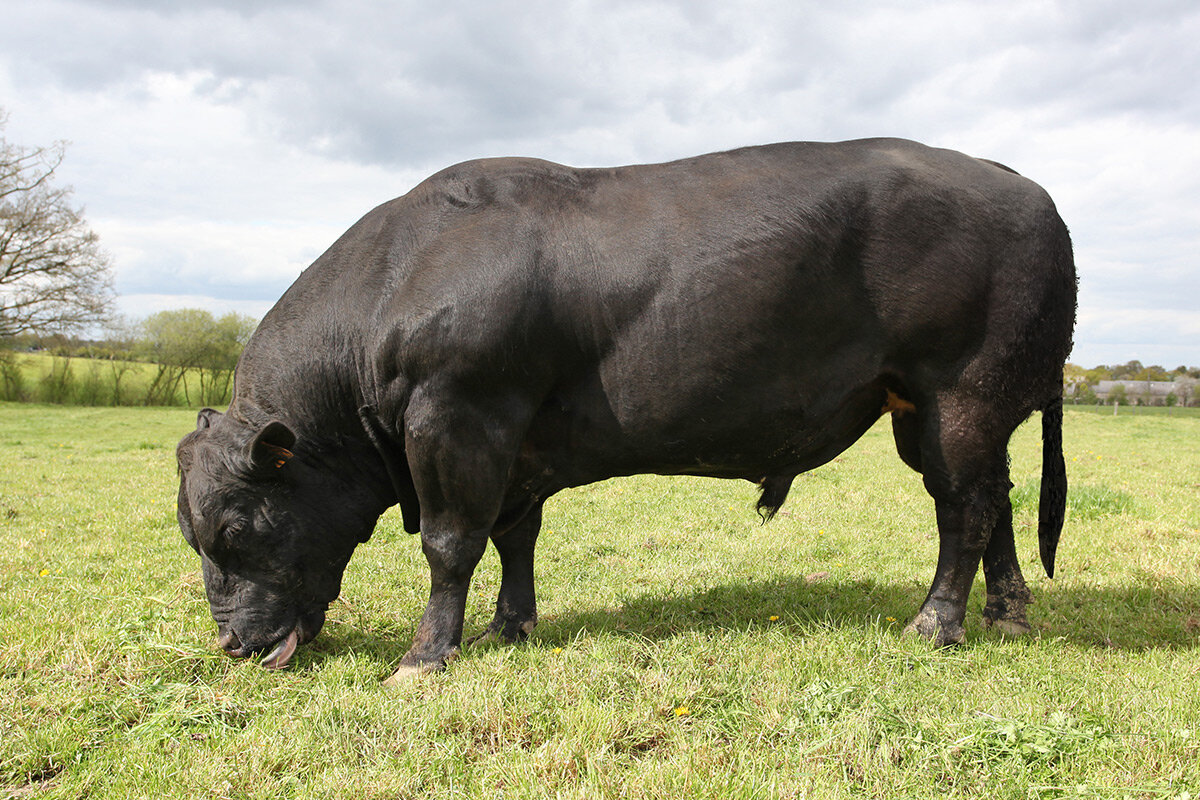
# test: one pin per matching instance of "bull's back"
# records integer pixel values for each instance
(761, 303)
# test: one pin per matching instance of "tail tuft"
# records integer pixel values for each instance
(1052, 505)
(774, 491)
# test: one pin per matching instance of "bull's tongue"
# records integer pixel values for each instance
(279, 657)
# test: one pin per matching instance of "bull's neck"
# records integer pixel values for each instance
(317, 392)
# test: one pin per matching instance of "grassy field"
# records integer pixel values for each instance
(685, 650)
(46, 378)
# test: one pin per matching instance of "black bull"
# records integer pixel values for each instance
(512, 327)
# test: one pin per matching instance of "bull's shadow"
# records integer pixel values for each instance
(1130, 619)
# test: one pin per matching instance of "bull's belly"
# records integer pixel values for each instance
(584, 439)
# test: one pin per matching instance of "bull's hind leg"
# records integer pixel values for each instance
(516, 606)
(964, 461)
(1007, 594)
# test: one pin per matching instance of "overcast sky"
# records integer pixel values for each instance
(219, 147)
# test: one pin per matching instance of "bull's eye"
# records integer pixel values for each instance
(231, 532)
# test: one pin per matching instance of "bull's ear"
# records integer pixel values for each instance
(270, 448)
(207, 418)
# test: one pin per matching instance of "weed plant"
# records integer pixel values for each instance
(685, 650)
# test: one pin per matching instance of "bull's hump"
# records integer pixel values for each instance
(505, 181)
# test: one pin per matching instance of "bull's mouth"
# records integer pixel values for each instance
(282, 653)
(277, 658)
(277, 655)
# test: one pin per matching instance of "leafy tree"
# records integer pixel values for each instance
(53, 274)
(1151, 373)
(1073, 376)
(1117, 395)
(120, 342)
(192, 339)
(1127, 370)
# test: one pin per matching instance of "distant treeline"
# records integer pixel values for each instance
(183, 357)
(1082, 386)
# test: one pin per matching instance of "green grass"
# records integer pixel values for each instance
(685, 650)
(46, 378)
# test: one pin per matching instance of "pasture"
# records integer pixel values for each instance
(685, 650)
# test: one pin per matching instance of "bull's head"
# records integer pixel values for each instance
(274, 526)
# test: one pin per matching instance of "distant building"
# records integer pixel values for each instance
(1146, 393)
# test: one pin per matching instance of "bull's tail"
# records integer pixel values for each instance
(774, 491)
(1052, 505)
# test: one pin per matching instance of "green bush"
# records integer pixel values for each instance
(12, 380)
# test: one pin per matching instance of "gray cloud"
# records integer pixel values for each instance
(219, 140)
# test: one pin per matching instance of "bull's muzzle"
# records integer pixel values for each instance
(277, 658)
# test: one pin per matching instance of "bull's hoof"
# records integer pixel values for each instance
(1006, 612)
(404, 676)
(928, 627)
(505, 631)
(413, 667)
(1008, 626)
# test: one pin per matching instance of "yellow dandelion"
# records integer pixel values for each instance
(891, 619)
(556, 650)
(44, 573)
(682, 711)
(774, 618)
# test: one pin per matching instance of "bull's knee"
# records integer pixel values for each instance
(452, 556)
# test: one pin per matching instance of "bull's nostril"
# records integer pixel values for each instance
(229, 642)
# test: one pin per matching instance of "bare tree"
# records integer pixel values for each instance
(53, 275)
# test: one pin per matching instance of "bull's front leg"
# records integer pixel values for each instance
(516, 606)
(460, 457)
(452, 558)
